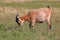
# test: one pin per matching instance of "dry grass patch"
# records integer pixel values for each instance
(56, 10)
(8, 10)
(9, 1)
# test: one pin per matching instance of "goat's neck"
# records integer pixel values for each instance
(25, 18)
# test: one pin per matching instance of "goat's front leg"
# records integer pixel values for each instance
(31, 25)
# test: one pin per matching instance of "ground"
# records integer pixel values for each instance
(9, 30)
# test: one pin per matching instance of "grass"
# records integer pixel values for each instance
(9, 30)
(36, 4)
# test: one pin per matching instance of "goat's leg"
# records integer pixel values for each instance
(31, 25)
(49, 24)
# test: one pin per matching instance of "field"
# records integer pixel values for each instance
(9, 30)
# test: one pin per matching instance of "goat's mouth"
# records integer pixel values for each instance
(18, 23)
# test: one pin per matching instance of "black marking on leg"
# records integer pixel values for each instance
(30, 25)
(49, 26)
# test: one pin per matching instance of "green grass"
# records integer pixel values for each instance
(36, 4)
(9, 30)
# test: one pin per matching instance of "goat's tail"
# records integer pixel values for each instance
(48, 6)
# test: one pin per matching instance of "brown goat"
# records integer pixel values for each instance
(40, 15)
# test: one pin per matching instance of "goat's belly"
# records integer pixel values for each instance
(41, 17)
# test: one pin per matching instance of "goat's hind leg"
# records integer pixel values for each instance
(49, 24)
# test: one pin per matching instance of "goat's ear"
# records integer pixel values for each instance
(17, 16)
